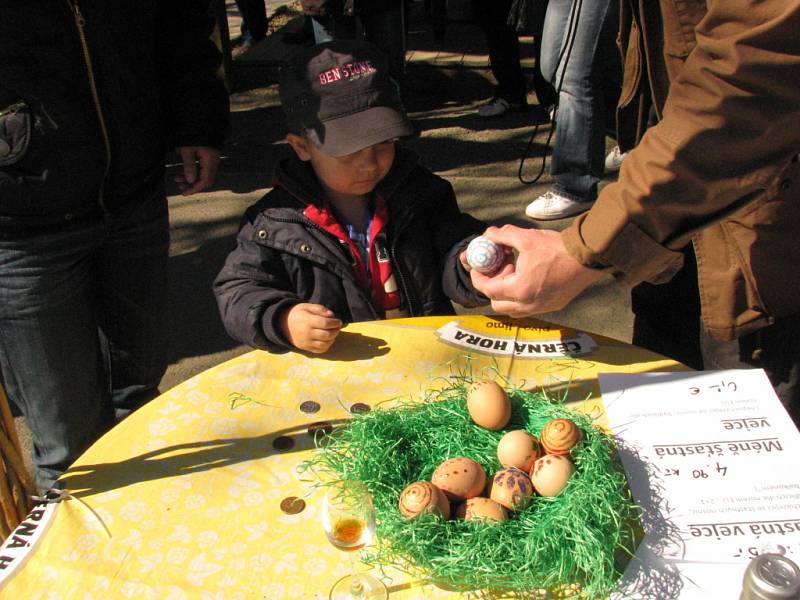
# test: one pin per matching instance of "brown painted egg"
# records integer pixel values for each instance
(423, 497)
(459, 478)
(559, 436)
(518, 449)
(488, 404)
(481, 508)
(551, 473)
(511, 488)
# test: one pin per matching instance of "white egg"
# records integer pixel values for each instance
(484, 255)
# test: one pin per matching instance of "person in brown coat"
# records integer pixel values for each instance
(715, 183)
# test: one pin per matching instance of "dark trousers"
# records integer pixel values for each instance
(503, 46)
(254, 19)
(667, 321)
(381, 27)
(82, 340)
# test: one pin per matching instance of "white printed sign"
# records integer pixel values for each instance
(22, 540)
(711, 459)
(454, 334)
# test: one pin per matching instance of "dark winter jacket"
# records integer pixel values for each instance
(153, 66)
(282, 258)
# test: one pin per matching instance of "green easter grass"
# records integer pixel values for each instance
(566, 544)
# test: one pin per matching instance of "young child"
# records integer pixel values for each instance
(354, 229)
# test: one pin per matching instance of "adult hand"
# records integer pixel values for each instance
(207, 158)
(544, 278)
(310, 327)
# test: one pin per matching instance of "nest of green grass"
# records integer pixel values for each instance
(569, 544)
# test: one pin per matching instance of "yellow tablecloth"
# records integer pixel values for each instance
(183, 498)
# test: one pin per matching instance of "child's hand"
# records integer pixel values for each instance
(310, 327)
(462, 258)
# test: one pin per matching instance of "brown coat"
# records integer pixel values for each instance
(720, 169)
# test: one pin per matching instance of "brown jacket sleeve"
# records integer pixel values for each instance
(731, 123)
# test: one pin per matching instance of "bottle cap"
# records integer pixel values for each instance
(771, 577)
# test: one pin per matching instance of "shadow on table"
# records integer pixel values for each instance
(351, 346)
(185, 459)
(654, 571)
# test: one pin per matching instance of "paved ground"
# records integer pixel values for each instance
(480, 157)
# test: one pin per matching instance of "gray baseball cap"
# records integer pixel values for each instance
(341, 96)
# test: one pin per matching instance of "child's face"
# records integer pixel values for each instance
(343, 177)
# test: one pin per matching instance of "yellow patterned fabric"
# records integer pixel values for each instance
(187, 498)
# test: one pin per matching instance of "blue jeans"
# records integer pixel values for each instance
(81, 326)
(580, 59)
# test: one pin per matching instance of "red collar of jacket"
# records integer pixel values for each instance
(377, 276)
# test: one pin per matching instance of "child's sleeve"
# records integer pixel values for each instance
(453, 232)
(252, 290)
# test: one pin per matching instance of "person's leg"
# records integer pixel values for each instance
(667, 316)
(50, 350)
(503, 46)
(132, 280)
(438, 12)
(776, 349)
(254, 20)
(574, 32)
(384, 28)
(544, 91)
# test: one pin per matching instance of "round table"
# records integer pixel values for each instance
(191, 496)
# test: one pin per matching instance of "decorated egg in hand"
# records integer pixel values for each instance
(484, 255)
(459, 478)
(559, 436)
(551, 473)
(518, 449)
(488, 404)
(423, 497)
(511, 488)
(481, 508)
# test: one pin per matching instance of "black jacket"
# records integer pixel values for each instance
(154, 68)
(282, 258)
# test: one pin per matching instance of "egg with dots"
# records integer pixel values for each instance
(488, 404)
(518, 449)
(551, 473)
(559, 436)
(423, 497)
(481, 508)
(511, 488)
(459, 478)
(484, 255)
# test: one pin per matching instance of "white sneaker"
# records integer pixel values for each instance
(614, 160)
(552, 205)
(497, 107)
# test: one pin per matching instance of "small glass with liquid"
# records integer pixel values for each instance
(348, 518)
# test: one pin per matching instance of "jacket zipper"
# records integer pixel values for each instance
(309, 223)
(396, 268)
(80, 22)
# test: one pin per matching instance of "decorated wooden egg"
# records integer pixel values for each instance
(488, 404)
(511, 488)
(481, 508)
(423, 497)
(559, 436)
(551, 473)
(518, 449)
(459, 478)
(484, 255)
